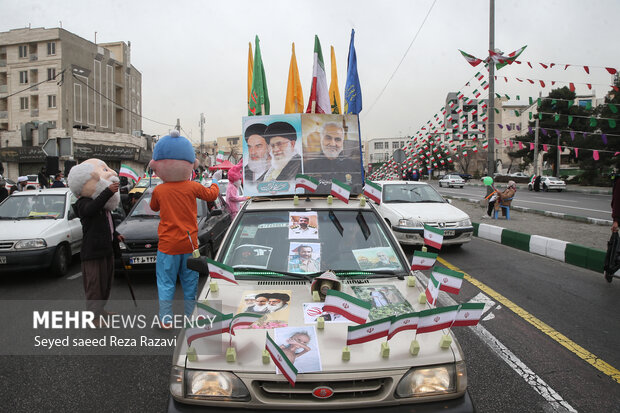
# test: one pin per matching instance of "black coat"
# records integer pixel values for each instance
(4, 193)
(96, 241)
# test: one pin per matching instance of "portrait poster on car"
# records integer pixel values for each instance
(303, 225)
(273, 304)
(376, 258)
(304, 257)
(312, 311)
(278, 147)
(386, 300)
(301, 346)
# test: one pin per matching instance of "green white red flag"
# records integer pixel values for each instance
(281, 361)
(208, 327)
(472, 60)
(403, 322)
(221, 271)
(128, 172)
(243, 320)
(423, 260)
(450, 280)
(369, 331)
(319, 92)
(432, 290)
(351, 308)
(340, 190)
(469, 314)
(372, 191)
(433, 236)
(479, 76)
(306, 182)
(220, 157)
(436, 319)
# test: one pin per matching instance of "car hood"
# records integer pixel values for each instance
(139, 228)
(250, 343)
(28, 228)
(426, 212)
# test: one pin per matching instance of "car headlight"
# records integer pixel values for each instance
(208, 385)
(429, 381)
(409, 223)
(30, 244)
(122, 245)
(464, 223)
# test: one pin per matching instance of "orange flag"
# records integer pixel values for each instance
(250, 70)
(334, 93)
(294, 94)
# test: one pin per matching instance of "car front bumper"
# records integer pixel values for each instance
(415, 236)
(27, 259)
(124, 263)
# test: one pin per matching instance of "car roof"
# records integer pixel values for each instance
(50, 191)
(401, 182)
(288, 203)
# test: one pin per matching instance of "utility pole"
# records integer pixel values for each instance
(536, 143)
(558, 160)
(491, 128)
(178, 126)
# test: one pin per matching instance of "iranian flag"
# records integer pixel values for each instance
(126, 171)
(281, 361)
(306, 182)
(479, 76)
(432, 290)
(403, 322)
(369, 331)
(373, 191)
(485, 85)
(319, 93)
(469, 101)
(436, 319)
(219, 270)
(474, 148)
(433, 236)
(485, 144)
(220, 157)
(206, 327)
(340, 190)
(352, 308)
(472, 60)
(450, 280)
(469, 314)
(476, 93)
(243, 320)
(460, 95)
(484, 117)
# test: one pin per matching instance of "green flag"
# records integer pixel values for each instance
(498, 95)
(554, 102)
(570, 119)
(530, 113)
(589, 105)
(613, 107)
(496, 110)
(612, 123)
(592, 121)
(571, 103)
(531, 100)
(556, 117)
(540, 116)
(259, 98)
(539, 102)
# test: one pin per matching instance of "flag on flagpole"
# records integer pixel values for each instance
(432, 289)
(403, 322)
(436, 319)
(501, 60)
(259, 98)
(372, 191)
(472, 60)
(220, 157)
(334, 92)
(369, 331)
(469, 314)
(352, 89)
(243, 320)
(319, 94)
(281, 361)
(208, 327)
(352, 308)
(423, 260)
(340, 190)
(250, 70)
(450, 280)
(221, 271)
(128, 172)
(433, 236)
(306, 182)
(294, 93)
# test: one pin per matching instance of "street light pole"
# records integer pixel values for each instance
(491, 125)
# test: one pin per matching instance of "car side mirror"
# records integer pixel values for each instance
(216, 212)
(449, 201)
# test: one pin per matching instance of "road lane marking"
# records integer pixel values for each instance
(561, 339)
(74, 276)
(537, 384)
(560, 205)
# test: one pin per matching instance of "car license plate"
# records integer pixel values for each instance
(448, 232)
(150, 259)
(2, 259)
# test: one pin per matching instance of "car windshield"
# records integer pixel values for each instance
(311, 242)
(142, 208)
(146, 182)
(35, 206)
(410, 193)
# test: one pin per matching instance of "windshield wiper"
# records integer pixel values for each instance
(430, 201)
(277, 274)
(373, 274)
(144, 216)
(40, 217)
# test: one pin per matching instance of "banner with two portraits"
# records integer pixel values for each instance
(278, 147)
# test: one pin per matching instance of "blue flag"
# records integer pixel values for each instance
(352, 90)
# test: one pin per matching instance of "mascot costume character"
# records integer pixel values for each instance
(173, 161)
(96, 186)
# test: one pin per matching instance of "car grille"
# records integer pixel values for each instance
(346, 390)
(6, 245)
(436, 224)
(142, 246)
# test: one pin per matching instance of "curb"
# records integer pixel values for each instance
(575, 254)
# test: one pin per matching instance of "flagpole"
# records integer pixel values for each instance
(457, 313)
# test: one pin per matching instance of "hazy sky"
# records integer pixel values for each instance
(193, 54)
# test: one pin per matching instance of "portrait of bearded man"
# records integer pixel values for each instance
(258, 158)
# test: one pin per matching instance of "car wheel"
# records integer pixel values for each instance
(530, 187)
(62, 259)
(440, 184)
(545, 189)
(559, 190)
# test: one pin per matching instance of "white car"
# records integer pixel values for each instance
(451, 181)
(407, 206)
(38, 229)
(549, 182)
(518, 175)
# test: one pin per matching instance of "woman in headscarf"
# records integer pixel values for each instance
(233, 199)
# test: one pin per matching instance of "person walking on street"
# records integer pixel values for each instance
(44, 179)
(58, 181)
(615, 203)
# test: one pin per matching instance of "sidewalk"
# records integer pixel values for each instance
(569, 188)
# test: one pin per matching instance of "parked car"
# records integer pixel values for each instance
(451, 181)
(466, 177)
(408, 206)
(38, 229)
(355, 243)
(549, 182)
(518, 175)
(144, 183)
(139, 250)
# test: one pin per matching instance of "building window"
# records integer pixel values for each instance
(51, 48)
(23, 51)
(51, 73)
(402, 143)
(395, 145)
(378, 145)
(23, 76)
(51, 101)
(386, 156)
(23, 103)
(51, 123)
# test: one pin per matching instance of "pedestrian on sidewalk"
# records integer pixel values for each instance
(615, 203)
(500, 199)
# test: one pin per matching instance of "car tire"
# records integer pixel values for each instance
(62, 259)
(559, 190)
(440, 184)
(545, 189)
(530, 187)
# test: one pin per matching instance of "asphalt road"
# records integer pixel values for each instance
(572, 203)
(515, 358)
